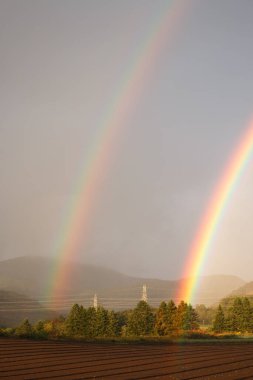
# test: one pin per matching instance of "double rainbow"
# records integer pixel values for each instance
(78, 217)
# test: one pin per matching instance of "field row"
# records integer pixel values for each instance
(24, 359)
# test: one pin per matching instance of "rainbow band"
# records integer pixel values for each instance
(213, 215)
(78, 217)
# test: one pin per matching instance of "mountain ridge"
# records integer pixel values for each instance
(114, 289)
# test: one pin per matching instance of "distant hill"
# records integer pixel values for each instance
(15, 307)
(30, 276)
(244, 290)
(213, 288)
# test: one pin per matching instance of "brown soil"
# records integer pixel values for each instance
(27, 359)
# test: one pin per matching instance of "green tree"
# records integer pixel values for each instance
(74, 320)
(234, 321)
(192, 318)
(112, 324)
(24, 330)
(141, 320)
(91, 317)
(82, 321)
(122, 319)
(161, 319)
(219, 321)
(247, 316)
(206, 315)
(102, 321)
(39, 330)
(171, 317)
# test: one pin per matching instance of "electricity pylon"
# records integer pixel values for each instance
(144, 293)
(95, 302)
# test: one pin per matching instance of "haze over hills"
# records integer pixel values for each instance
(211, 289)
(15, 307)
(244, 290)
(30, 275)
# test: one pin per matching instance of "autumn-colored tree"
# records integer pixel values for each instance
(181, 316)
(165, 322)
(186, 317)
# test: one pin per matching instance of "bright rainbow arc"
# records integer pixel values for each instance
(213, 215)
(77, 220)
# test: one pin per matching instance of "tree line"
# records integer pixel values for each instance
(234, 315)
(99, 322)
(237, 317)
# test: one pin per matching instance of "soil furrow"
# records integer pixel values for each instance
(31, 360)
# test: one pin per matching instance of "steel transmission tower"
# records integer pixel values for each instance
(95, 302)
(144, 293)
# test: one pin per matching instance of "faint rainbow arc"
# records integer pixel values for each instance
(76, 221)
(213, 214)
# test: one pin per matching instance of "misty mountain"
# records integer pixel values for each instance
(32, 275)
(211, 289)
(15, 307)
(244, 290)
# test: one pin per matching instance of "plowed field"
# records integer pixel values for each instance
(24, 359)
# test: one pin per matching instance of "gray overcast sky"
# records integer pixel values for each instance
(61, 64)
